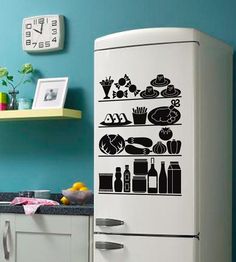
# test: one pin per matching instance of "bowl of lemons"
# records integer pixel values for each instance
(78, 194)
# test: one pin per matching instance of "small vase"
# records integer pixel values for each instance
(13, 105)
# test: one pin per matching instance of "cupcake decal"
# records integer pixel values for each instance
(170, 91)
(160, 81)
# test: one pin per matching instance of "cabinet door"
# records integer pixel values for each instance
(147, 205)
(139, 249)
(49, 238)
(7, 237)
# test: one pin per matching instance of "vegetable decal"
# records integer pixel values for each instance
(174, 146)
(165, 133)
(130, 149)
(111, 144)
(144, 141)
(159, 148)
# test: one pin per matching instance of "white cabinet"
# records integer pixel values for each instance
(38, 238)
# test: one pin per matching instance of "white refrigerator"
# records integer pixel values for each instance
(162, 147)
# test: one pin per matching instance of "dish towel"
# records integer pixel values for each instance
(31, 205)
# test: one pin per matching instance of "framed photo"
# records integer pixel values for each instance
(50, 93)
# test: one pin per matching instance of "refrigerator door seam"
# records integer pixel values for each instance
(149, 235)
(164, 43)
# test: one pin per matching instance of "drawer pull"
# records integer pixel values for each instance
(4, 240)
(108, 222)
(102, 245)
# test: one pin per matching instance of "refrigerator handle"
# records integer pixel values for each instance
(108, 222)
(102, 245)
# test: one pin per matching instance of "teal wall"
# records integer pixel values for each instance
(53, 154)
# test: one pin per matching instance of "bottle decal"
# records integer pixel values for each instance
(126, 179)
(118, 181)
(152, 178)
(162, 179)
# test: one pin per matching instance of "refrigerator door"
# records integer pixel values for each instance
(145, 112)
(139, 249)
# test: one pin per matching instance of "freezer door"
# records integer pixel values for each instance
(139, 249)
(145, 140)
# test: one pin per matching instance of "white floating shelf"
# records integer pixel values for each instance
(40, 114)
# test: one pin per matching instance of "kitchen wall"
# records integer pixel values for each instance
(54, 154)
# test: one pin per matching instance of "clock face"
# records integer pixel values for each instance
(43, 33)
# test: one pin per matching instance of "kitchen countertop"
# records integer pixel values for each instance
(77, 210)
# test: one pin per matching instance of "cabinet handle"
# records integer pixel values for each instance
(108, 222)
(5, 234)
(102, 245)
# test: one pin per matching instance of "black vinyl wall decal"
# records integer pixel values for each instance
(144, 178)
(148, 174)
(106, 85)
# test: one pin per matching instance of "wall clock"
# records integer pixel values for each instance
(43, 33)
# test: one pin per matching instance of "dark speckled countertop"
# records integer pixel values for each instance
(76, 210)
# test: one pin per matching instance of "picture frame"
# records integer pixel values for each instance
(50, 93)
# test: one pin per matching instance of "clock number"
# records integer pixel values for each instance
(34, 44)
(41, 20)
(54, 22)
(47, 43)
(54, 31)
(54, 39)
(28, 42)
(28, 26)
(28, 34)
(35, 21)
(41, 45)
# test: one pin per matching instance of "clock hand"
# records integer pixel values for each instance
(37, 31)
(41, 29)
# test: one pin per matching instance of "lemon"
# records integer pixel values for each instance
(84, 188)
(65, 201)
(72, 189)
(78, 185)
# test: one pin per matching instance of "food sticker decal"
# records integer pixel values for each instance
(106, 85)
(148, 172)
(145, 178)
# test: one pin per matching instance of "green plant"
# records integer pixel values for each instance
(8, 80)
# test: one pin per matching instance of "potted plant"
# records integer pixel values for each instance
(8, 80)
